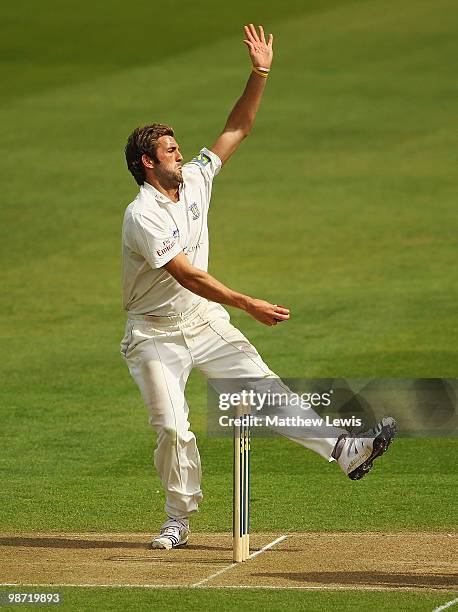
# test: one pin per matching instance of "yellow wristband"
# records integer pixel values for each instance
(262, 72)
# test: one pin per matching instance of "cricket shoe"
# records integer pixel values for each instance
(356, 453)
(174, 533)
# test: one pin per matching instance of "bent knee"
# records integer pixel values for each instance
(167, 435)
(172, 437)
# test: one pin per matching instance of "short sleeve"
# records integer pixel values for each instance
(156, 242)
(208, 163)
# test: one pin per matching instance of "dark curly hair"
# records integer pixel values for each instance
(143, 141)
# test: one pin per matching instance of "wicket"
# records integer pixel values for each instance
(241, 492)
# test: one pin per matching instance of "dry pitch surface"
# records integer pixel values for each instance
(366, 561)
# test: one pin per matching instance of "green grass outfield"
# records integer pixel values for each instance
(232, 599)
(340, 205)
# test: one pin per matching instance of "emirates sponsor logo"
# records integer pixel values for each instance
(167, 246)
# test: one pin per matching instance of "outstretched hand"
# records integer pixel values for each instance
(264, 312)
(261, 52)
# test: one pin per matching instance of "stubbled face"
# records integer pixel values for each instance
(168, 171)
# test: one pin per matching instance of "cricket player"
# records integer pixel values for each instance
(176, 320)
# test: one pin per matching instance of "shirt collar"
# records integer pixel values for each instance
(160, 197)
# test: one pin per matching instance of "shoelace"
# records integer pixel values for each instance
(356, 444)
(170, 531)
(357, 439)
(353, 446)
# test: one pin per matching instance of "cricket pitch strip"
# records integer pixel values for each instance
(366, 561)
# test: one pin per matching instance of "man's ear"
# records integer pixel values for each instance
(147, 162)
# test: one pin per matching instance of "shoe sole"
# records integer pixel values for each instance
(380, 446)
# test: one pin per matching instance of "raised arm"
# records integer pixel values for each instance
(242, 116)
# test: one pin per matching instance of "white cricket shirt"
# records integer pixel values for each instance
(155, 230)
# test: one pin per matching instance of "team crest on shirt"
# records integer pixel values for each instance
(194, 208)
(176, 233)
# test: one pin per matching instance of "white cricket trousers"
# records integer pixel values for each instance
(160, 353)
